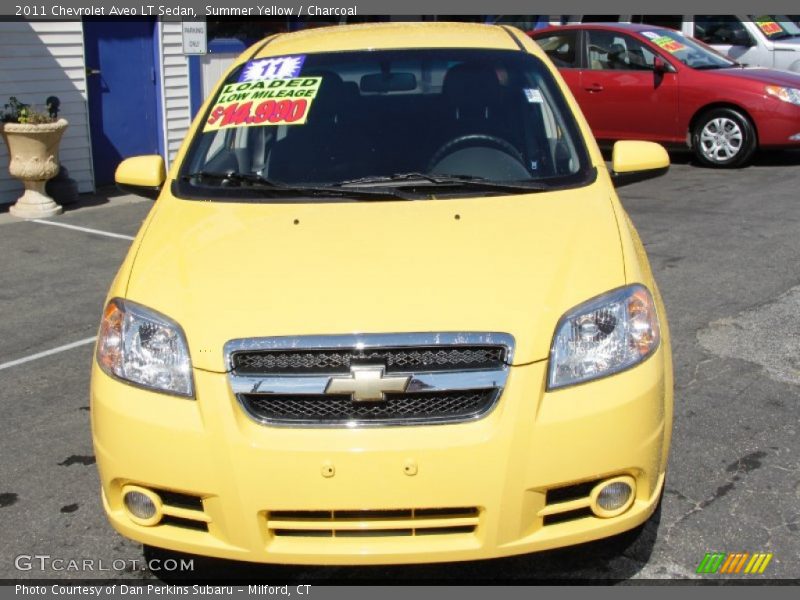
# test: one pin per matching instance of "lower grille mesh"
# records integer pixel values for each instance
(332, 409)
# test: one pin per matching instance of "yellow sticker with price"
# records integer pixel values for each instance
(267, 102)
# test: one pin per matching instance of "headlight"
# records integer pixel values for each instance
(145, 348)
(790, 95)
(603, 336)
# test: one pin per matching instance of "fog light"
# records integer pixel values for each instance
(142, 505)
(613, 496)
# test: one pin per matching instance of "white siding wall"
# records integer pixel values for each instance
(41, 59)
(175, 91)
(213, 66)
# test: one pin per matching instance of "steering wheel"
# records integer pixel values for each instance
(474, 139)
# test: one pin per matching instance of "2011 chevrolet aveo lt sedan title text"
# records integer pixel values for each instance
(387, 308)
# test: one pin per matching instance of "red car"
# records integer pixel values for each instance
(652, 83)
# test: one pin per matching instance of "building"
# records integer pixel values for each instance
(123, 85)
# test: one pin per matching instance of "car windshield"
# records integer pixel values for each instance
(397, 123)
(776, 27)
(690, 52)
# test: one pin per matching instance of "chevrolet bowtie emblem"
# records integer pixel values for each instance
(366, 384)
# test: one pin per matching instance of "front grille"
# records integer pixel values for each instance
(568, 503)
(180, 500)
(338, 409)
(183, 523)
(369, 379)
(373, 523)
(566, 516)
(397, 360)
(571, 492)
(182, 510)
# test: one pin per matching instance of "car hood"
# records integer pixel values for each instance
(766, 76)
(511, 264)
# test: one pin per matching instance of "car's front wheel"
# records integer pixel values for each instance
(723, 137)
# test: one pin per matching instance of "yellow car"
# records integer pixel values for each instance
(387, 308)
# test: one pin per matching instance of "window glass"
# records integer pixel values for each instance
(690, 52)
(776, 27)
(524, 22)
(337, 117)
(671, 21)
(612, 51)
(561, 47)
(720, 29)
(599, 18)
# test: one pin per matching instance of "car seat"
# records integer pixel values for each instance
(325, 148)
(617, 57)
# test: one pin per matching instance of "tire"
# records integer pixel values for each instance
(723, 138)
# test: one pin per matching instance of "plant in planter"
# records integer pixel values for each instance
(32, 138)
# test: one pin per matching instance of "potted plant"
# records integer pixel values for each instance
(32, 138)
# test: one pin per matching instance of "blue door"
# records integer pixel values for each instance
(121, 80)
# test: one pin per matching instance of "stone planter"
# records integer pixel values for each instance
(33, 152)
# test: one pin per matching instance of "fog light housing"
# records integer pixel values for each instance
(613, 497)
(143, 506)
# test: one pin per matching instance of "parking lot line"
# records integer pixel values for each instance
(85, 229)
(25, 359)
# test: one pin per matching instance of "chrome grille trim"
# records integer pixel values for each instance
(312, 385)
(435, 381)
(369, 340)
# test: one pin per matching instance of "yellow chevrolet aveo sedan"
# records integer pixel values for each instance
(387, 308)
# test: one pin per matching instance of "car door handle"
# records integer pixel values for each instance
(594, 87)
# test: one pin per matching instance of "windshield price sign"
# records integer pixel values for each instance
(269, 102)
(668, 44)
(768, 26)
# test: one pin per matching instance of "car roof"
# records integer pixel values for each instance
(375, 36)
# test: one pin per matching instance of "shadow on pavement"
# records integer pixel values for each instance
(101, 196)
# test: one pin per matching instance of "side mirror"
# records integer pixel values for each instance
(141, 175)
(740, 37)
(660, 66)
(637, 161)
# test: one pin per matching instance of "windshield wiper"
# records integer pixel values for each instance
(417, 180)
(238, 180)
(397, 177)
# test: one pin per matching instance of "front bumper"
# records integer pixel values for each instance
(494, 474)
(779, 125)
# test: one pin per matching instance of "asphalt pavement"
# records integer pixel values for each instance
(725, 250)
